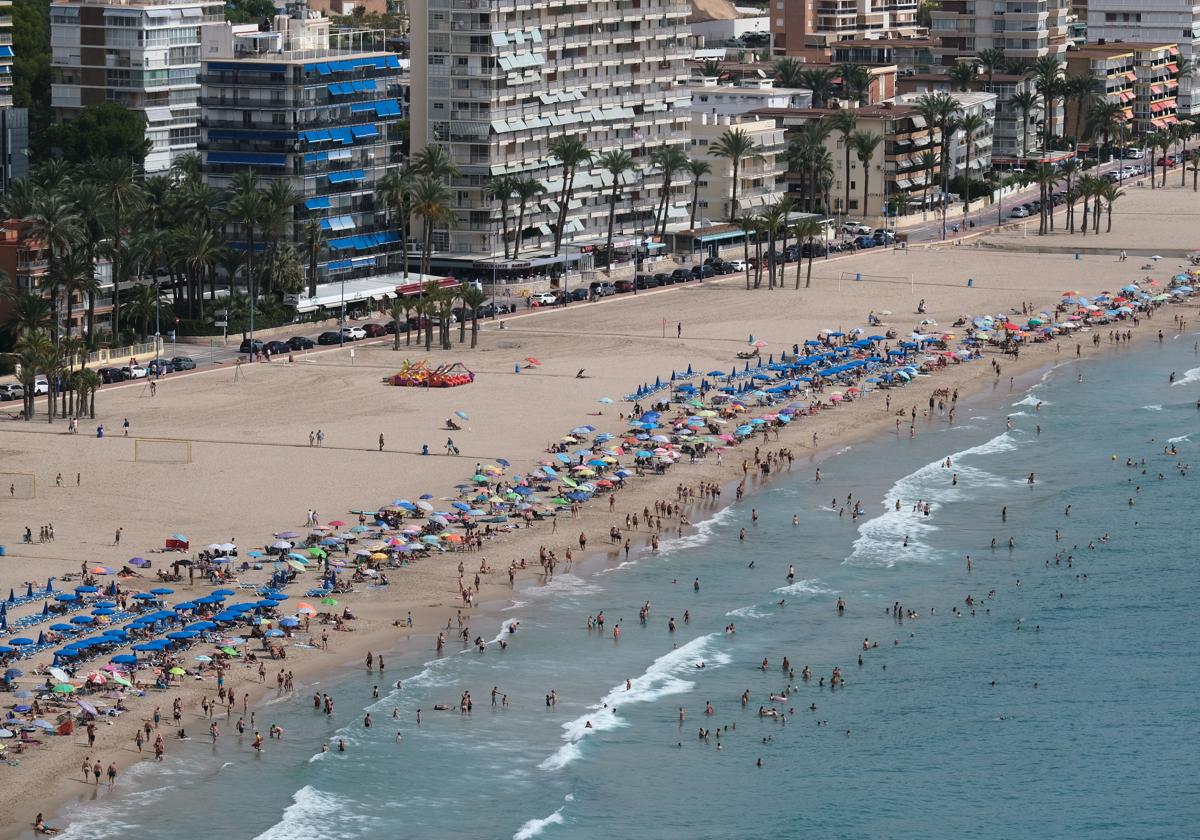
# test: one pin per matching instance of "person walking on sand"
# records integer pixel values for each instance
(320, 438)
(125, 426)
(312, 437)
(381, 441)
(117, 536)
(112, 774)
(679, 330)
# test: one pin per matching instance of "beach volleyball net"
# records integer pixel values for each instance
(162, 451)
(18, 485)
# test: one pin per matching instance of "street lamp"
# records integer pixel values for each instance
(342, 317)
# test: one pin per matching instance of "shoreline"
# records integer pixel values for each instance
(377, 634)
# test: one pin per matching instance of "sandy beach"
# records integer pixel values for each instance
(254, 473)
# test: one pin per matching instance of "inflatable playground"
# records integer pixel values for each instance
(422, 375)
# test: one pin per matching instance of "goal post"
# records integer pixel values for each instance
(14, 485)
(162, 451)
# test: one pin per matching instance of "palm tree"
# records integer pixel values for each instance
(1081, 89)
(865, 143)
(473, 298)
(570, 151)
(395, 191)
(991, 60)
(789, 72)
(398, 311)
(1104, 120)
(1195, 169)
(669, 160)
(710, 68)
(806, 230)
(121, 190)
(1150, 143)
(941, 111)
(526, 189)
(142, 304)
(772, 220)
(971, 125)
(963, 74)
(1183, 132)
(1087, 188)
(247, 207)
(736, 144)
(747, 225)
(856, 79)
(28, 312)
(1069, 171)
(1047, 74)
(77, 277)
(844, 121)
(928, 161)
(820, 82)
(430, 302)
(31, 352)
(616, 163)
(1026, 102)
(1110, 193)
(431, 204)
(312, 238)
(88, 382)
(1045, 175)
(500, 190)
(281, 201)
(697, 169)
(54, 225)
(1163, 140)
(433, 162)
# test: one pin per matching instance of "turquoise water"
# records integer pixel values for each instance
(919, 741)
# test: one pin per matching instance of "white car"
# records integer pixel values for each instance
(40, 386)
(354, 333)
(738, 265)
(11, 391)
(545, 299)
(856, 229)
(1018, 213)
(135, 371)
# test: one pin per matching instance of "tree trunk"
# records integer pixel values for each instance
(612, 215)
(462, 328)
(695, 202)
(520, 227)
(733, 193)
(474, 328)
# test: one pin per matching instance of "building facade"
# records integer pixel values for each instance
(26, 262)
(727, 100)
(14, 122)
(758, 177)
(1014, 133)
(1142, 77)
(1024, 29)
(908, 55)
(1152, 21)
(143, 54)
(502, 79)
(810, 28)
(318, 109)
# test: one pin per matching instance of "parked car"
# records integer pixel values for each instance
(856, 229)
(11, 391)
(248, 346)
(135, 372)
(183, 363)
(277, 348)
(623, 286)
(1018, 212)
(40, 386)
(390, 327)
(738, 265)
(661, 278)
(544, 299)
(300, 342)
(108, 375)
(374, 330)
(680, 275)
(864, 242)
(577, 294)
(157, 367)
(601, 289)
(644, 281)
(884, 237)
(1135, 154)
(329, 338)
(354, 333)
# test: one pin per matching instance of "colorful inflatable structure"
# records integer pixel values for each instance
(421, 375)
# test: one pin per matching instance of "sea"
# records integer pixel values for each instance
(1063, 701)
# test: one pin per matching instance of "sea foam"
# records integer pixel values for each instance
(534, 827)
(662, 679)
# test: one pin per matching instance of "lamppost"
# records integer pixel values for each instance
(157, 332)
(342, 317)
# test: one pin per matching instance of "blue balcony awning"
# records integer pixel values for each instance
(248, 158)
(344, 177)
(321, 202)
(361, 132)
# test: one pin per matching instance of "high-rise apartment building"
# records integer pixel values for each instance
(498, 80)
(318, 108)
(809, 28)
(1023, 29)
(143, 54)
(1142, 78)
(14, 122)
(1152, 21)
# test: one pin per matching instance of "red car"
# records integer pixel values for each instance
(374, 330)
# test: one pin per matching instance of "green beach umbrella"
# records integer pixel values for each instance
(64, 688)
(329, 602)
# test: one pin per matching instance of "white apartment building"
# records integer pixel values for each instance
(758, 177)
(976, 103)
(1024, 29)
(1152, 21)
(501, 79)
(745, 95)
(143, 54)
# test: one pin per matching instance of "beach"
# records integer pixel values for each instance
(254, 472)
